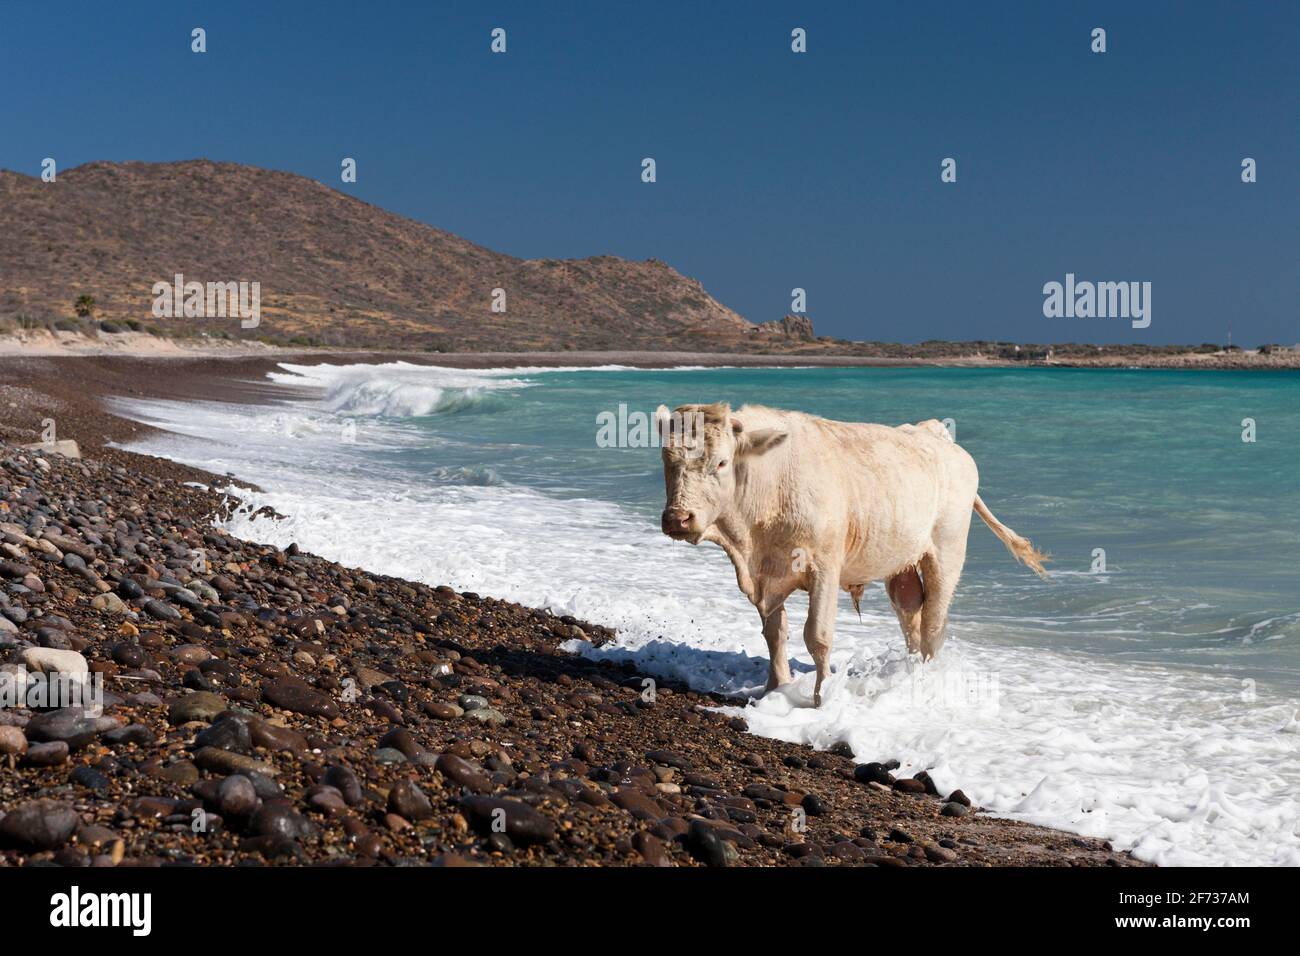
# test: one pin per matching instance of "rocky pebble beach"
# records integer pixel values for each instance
(268, 707)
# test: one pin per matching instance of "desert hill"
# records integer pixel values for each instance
(333, 270)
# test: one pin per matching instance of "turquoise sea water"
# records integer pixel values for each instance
(1154, 704)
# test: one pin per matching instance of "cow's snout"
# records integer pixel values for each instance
(676, 521)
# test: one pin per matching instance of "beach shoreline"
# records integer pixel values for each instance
(144, 346)
(577, 752)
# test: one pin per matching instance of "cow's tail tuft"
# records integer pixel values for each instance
(1020, 548)
(855, 592)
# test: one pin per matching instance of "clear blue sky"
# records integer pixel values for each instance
(775, 170)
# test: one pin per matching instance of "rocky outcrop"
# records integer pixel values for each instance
(796, 327)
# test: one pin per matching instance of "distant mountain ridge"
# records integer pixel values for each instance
(333, 269)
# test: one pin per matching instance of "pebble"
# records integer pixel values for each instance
(13, 742)
(327, 800)
(40, 824)
(442, 710)
(409, 801)
(298, 696)
(181, 772)
(68, 725)
(161, 610)
(49, 660)
(487, 715)
(90, 778)
(707, 846)
(523, 824)
(652, 849)
(279, 820)
(225, 762)
(345, 782)
(137, 734)
(872, 773)
(200, 705)
(462, 772)
(49, 754)
(939, 854)
(399, 738)
(814, 805)
(129, 655)
(909, 785)
(226, 733)
(236, 797)
(190, 654)
(268, 735)
(108, 601)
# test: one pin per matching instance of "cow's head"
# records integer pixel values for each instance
(703, 446)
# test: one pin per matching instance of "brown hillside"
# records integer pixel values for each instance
(332, 269)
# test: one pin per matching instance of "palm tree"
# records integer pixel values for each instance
(85, 306)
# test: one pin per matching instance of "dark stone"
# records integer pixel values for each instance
(813, 805)
(130, 655)
(90, 778)
(236, 797)
(345, 782)
(277, 738)
(279, 820)
(461, 771)
(408, 801)
(293, 694)
(201, 705)
(872, 773)
(638, 803)
(137, 734)
(161, 610)
(911, 785)
(68, 725)
(522, 823)
(669, 758)
(707, 846)
(926, 782)
(227, 733)
(47, 755)
(399, 738)
(652, 849)
(129, 589)
(39, 825)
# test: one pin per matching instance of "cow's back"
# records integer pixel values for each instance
(875, 489)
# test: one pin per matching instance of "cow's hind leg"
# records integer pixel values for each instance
(775, 630)
(942, 570)
(819, 630)
(907, 594)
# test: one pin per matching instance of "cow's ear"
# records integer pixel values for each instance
(662, 419)
(759, 441)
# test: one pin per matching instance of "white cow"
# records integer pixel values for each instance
(800, 502)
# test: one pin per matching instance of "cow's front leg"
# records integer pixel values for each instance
(775, 630)
(819, 631)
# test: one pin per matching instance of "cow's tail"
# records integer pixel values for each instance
(1020, 548)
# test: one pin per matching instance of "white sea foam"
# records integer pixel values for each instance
(1180, 767)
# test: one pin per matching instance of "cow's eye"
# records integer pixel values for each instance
(722, 464)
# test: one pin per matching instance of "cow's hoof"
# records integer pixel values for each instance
(774, 684)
